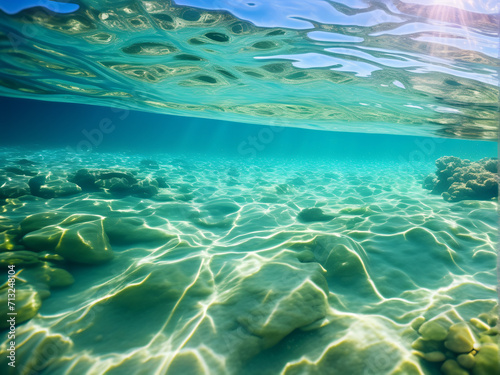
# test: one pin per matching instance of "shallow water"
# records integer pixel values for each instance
(218, 274)
(146, 243)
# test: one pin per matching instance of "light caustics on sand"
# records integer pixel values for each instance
(389, 67)
(244, 268)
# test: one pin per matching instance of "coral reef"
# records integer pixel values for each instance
(460, 179)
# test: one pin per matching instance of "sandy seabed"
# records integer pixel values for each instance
(206, 265)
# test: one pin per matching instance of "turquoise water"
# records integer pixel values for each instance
(213, 187)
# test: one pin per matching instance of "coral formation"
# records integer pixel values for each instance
(460, 179)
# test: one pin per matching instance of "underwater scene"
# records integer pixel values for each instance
(282, 187)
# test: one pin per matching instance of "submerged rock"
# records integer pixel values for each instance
(13, 186)
(20, 171)
(131, 230)
(9, 240)
(40, 220)
(26, 162)
(451, 367)
(466, 360)
(459, 339)
(92, 180)
(20, 258)
(28, 302)
(117, 182)
(458, 345)
(78, 238)
(145, 188)
(457, 179)
(114, 184)
(85, 243)
(45, 276)
(310, 215)
(52, 186)
(487, 360)
(433, 330)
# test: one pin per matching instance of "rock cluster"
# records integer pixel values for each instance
(460, 179)
(21, 178)
(459, 348)
(116, 182)
(42, 244)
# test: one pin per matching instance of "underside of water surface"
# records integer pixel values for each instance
(210, 187)
(390, 66)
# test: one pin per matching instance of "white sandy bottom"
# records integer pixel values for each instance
(219, 277)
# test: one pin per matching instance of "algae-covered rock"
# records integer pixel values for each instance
(466, 360)
(433, 330)
(40, 220)
(145, 188)
(428, 346)
(45, 276)
(302, 306)
(48, 257)
(131, 230)
(85, 179)
(417, 323)
(479, 324)
(45, 239)
(451, 367)
(20, 170)
(459, 338)
(435, 357)
(363, 210)
(77, 239)
(93, 180)
(490, 318)
(21, 258)
(13, 187)
(114, 184)
(487, 360)
(28, 302)
(9, 240)
(310, 215)
(52, 186)
(84, 243)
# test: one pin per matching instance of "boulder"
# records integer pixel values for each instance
(145, 188)
(114, 184)
(459, 338)
(94, 180)
(76, 239)
(487, 360)
(433, 330)
(13, 186)
(52, 186)
(20, 258)
(28, 302)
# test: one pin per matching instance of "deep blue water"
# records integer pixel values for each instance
(73, 126)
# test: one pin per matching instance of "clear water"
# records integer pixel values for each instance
(267, 213)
